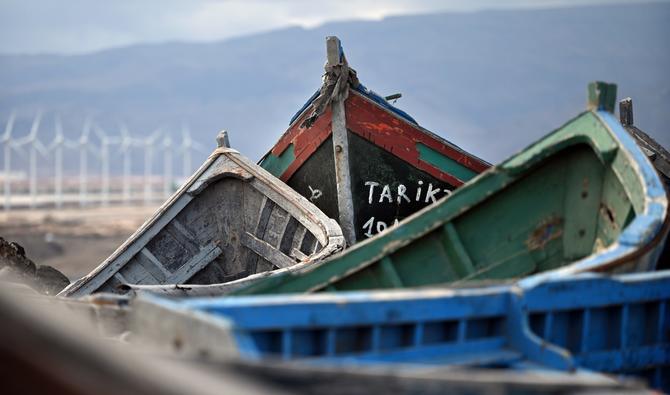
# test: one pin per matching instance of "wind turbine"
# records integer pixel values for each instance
(105, 142)
(57, 147)
(83, 162)
(34, 146)
(167, 166)
(186, 146)
(7, 150)
(126, 148)
(148, 159)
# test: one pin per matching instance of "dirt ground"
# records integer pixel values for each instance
(72, 240)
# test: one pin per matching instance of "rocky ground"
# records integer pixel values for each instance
(71, 240)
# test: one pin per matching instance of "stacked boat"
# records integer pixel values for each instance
(364, 252)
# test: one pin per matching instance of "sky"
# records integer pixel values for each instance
(81, 26)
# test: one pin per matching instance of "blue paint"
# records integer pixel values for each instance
(617, 325)
(365, 92)
(304, 106)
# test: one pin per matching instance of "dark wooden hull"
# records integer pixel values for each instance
(230, 220)
(367, 163)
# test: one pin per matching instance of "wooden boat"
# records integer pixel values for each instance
(362, 160)
(231, 219)
(585, 323)
(584, 198)
(657, 155)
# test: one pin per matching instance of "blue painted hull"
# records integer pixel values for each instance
(617, 325)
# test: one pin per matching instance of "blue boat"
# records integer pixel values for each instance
(616, 325)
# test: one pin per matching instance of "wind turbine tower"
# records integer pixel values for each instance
(7, 150)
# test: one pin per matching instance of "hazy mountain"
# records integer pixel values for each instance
(490, 81)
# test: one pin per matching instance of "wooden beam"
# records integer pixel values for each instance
(345, 201)
(203, 258)
(152, 265)
(266, 251)
(390, 273)
(452, 241)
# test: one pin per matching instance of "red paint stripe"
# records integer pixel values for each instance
(395, 135)
(305, 140)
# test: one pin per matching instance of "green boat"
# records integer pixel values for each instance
(583, 198)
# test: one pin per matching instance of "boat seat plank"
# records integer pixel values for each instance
(195, 264)
(266, 251)
(152, 265)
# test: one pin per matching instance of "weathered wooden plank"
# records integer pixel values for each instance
(297, 254)
(390, 273)
(186, 240)
(182, 229)
(452, 243)
(195, 264)
(134, 244)
(120, 278)
(308, 243)
(266, 251)
(297, 240)
(288, 235)
(136, 274)
(264, 217)
(294, 207)
(276, 226)
(152, 265)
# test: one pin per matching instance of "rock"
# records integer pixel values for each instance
(16, 267)
(49, 280)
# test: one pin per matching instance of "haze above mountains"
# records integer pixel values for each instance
(491, 82)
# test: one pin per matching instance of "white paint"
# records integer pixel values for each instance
(418, 191)
(372, 186)
(368, 224)
(401, 193)
(386, 193)
(316, 193)
(430, 194)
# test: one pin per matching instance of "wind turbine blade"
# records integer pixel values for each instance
(40, 148)
(86, 130)
(9, 126)
(99, 133)
(35, 126)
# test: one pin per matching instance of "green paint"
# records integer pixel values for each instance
(601, 96)
(444, 163)
(541, 209)
(277, 165)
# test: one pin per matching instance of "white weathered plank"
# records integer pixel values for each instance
(266, 251)
(206, 255)
(155, 267)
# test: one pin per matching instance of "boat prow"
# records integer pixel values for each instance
(360, 159)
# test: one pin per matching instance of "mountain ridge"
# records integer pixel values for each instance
(490, 81)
